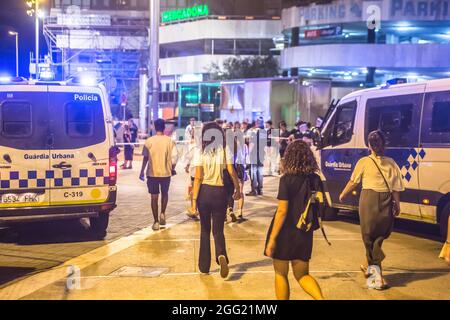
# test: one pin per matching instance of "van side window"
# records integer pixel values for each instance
(436, 118)
(396, 117)
(343, 126)
(16, 119)
(79, 120)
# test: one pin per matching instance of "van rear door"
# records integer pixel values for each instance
(24, 150)
(79, 155)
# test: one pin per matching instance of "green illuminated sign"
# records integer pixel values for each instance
(201, 10)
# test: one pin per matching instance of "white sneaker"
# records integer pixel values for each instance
(155, 226)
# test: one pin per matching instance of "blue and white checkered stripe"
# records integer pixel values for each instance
(53, 178)
(412, 162)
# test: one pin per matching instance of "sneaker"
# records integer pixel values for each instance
(260, 193)
(162, 219)
(155, 226)
(251, 194)
(224, 270)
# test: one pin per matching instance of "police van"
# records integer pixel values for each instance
(57, 153)
(416, 121)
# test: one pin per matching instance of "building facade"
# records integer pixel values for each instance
(359, 43)
(108, 39)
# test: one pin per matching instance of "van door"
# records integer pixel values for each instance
(24, 150)
(79, 154)
(397, 115)
(434, 153)
(338, 155)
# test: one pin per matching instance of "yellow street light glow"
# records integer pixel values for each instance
(426, 201)
(354, 193)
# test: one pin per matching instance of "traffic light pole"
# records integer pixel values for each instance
(154, 61)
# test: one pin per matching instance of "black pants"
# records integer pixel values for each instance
(212, 206)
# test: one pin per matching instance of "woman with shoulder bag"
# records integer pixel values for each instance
(286, 243)
(215, 178)
(379, 201)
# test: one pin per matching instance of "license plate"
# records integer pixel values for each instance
(20, 198)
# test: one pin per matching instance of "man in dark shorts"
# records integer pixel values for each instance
(160, 157)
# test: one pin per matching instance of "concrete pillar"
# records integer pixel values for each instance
(143, 95)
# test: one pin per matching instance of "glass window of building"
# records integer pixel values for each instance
(223, 46)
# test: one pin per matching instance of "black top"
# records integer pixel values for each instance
(292, 243)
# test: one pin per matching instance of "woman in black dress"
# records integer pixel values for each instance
(285, 242)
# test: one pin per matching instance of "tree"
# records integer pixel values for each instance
(245, 68)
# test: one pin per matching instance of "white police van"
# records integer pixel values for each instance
(416, 121)
(57, 153)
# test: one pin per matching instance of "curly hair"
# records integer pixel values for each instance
(299, 159)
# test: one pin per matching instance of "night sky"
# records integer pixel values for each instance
(13, 16)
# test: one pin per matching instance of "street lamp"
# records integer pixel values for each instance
(37, 14)
(16, 34)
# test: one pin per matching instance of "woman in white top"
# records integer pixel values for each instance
(379, 201)
(211, 189)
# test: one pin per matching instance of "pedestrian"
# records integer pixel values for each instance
(301, 128)
(271, 152)
(286, 243)
(160, 157)
(214, 178)
(133, 130)
(240, 154)
(189, 129)
(128, 148)
(284, 135)
(445, 252)
(189, 167)
(244, 127)
(256, 158)
(379, 201)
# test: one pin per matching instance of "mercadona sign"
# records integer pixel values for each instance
(185, 14)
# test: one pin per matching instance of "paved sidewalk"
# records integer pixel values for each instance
(163, 265)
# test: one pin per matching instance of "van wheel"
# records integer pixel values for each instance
(100, 224)
(443, 225)
(330, 214)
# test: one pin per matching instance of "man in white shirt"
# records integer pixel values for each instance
(160, 157)
(189, 129)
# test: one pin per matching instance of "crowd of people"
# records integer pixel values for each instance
(220, 157)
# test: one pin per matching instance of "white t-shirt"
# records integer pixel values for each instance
(213, 164)
(367, 172)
